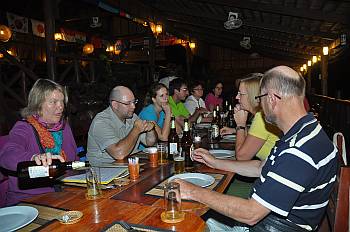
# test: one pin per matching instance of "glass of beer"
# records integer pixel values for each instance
(172, 204)
(179, 162)
(162, 148)
(153, 157)
(93, 183)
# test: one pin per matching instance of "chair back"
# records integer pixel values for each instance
(339, 141)
(3, 178)
(337, 214)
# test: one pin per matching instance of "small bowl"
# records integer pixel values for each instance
(70, 217)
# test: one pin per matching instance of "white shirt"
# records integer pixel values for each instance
(192, 103)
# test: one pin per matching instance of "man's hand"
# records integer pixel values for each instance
(226, 130)
(187, 189)
(203, 156)
(143, 125)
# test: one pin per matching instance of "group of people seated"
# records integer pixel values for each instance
(295, 162)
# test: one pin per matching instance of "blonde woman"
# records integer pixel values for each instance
(261, 136)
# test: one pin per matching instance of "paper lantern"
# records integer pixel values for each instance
(5, 33)
(192, 45)
(325, 51)
(88, 48)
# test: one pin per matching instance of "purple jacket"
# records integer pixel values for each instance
(21, 146)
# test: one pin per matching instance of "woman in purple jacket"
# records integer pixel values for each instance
(42, 135)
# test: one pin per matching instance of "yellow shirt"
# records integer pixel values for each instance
(265, 131)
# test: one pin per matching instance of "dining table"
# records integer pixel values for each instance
(129, 203)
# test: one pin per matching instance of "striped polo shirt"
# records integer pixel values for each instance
(299, 174)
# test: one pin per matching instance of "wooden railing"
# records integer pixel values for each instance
(334, 116)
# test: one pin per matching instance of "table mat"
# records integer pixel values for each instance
(116, 227)
(158, 191)
(46, 216)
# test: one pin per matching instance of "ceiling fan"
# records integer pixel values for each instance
(233, 22)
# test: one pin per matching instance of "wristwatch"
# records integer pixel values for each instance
(240, 128)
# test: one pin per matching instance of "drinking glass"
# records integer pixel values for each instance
(134, 171)
(162, 148)
(93, 183)
(153, 157)
(179, 162)
(172, 204)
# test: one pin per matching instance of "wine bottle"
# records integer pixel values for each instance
(173, 140)
(30, 175)
(215, 126)
(187, 146)
(230, 119)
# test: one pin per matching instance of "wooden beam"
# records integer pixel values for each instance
(293, 11)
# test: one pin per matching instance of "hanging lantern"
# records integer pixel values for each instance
(58, 36)
(314, 59)
(159, 29)
(1, 55)
(304, 66)
(192, 45)
(110, 48)
(88, 48)
(325, 51)
(309, 63)
(301, 69)
(5, 33)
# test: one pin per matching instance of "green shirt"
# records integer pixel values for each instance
(178, 109)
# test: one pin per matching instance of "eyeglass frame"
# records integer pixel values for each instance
(258, 98)
(135, 101)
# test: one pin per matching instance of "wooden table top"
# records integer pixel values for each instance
(127, 203)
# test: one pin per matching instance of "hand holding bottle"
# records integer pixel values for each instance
(45, 159)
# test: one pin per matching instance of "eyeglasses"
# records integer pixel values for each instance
(241, 94)
(258, 98)
(184, 89)
(128, 103)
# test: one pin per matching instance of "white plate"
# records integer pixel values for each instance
(222, 154)
(199, 179)
(16, 217)
(229, 137)
(203, 125)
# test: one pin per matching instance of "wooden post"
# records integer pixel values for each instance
(152, 58)
(309, 81)
(49, 6)
(324, 74)
(188, 60)
(92, 71)
(76, 70)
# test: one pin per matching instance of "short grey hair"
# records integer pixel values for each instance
(286, 81)
(37, 95)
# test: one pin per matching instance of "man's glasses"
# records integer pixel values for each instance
(128, 103)
(184, 89)
(258, 98)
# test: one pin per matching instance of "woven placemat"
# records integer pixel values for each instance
(116, 227)
(158, 190)
(45, 217)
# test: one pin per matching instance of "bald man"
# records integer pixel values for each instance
(117, 132)
(295, 181)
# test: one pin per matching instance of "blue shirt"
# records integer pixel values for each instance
(149, 113)
(299, 174)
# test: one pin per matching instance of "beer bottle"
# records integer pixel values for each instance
(30, 175)
(215, 128)
(173, 140)
(187, 146)
(230, 119)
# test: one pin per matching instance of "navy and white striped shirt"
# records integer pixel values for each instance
(299, 174)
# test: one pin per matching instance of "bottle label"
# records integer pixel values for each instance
(38, 171)
(215, 131)
(172, 148)
(78, 164)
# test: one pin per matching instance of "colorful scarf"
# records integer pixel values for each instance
(50, 139)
